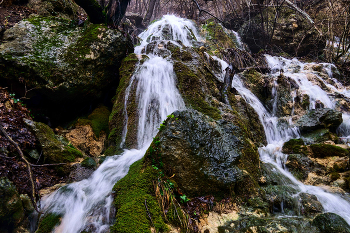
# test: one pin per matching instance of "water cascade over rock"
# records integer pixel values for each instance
(173, 109)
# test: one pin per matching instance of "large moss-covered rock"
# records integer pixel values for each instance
(55, 150)
(325, 150)
(330, 222)
(205, 156)
(320, 118)
(67, 66)
(11, 208)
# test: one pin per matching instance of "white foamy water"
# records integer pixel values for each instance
(277, 134)
(87, 204)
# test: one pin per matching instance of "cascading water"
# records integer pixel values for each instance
(277, 135)
(87, 204)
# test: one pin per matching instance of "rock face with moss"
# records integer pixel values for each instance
(55, 149)
(205, 156)
(66, 65)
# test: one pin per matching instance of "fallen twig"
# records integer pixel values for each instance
(46, 165)
(26, 161)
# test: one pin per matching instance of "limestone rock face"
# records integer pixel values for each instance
(66, 65)
(205, 156)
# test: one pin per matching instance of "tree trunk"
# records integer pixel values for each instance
(149, 13)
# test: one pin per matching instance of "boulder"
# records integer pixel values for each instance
(204, 156)
(11, 208)
(309, 205)
(55, 149)
(66, 67)
(318, 119)
(330, 223)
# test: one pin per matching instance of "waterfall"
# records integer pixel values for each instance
(86, 205)
(277, 135)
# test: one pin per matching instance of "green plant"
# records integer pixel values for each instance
(184, 199)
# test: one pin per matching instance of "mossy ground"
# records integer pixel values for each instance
(131, 194)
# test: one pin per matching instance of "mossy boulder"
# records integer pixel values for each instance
(68, 66)
(132, 194)
(330, 223)
(321, 118)
(293, 146)
(98, 120)
(326, 150)
(11, 207)
(54, 149)
(300, 165)
(309, 205)
(319, 136)
(205, 156)
(88, 163)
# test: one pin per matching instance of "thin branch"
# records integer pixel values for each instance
(25, 160)
(201, 10)
(46, 165)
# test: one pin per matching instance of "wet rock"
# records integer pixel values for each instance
(309, 205)
(11, 207)
(204, 156)
(55, 150)
(80, 172)
(300, 165)
(68, 66)
(318, 119)
(319, 135)
(330, 223)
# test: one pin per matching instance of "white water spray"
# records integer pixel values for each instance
(276, 134)
(86, 205)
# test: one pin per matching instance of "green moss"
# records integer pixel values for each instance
(83, 44)
(116, 118)
(99, 120)
(334, 176)
(190, 85)
(293, 146)
(48, 223)
(325, 150)
(131, 192)
(88, 163)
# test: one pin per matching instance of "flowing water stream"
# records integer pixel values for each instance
(276, 135)
(87, 204)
